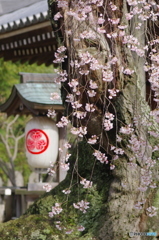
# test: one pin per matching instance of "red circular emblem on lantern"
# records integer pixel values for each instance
(37, 141)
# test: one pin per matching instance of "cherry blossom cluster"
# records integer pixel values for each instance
(82, 206)
(64, 164)
(86, 183)
(51, 170)
(134, 45)
(60, 55)
(93, 139)
(101, 156)
(64, 122)
(112, 93)
(66, 191)
(81, 131)
(143, 10)
(55, 96)
(118, 151)
(80, 114)
(47, 187)
(107, 123)
(154, 75)
(127, 71)
(155, 114)
(107, 74)
(62, 76)
(138, 146)
(146, 179)
(55, 210)
(59, 226)
(126, 130)
(139, 204)
(86, 59)
(151, 211)
(51, 113)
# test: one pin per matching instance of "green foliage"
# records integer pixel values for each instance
(9, 75)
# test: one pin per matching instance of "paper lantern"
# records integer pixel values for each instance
(41, 141)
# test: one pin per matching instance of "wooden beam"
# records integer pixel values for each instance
(13, 33)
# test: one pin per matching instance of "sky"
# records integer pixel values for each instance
(7, 6)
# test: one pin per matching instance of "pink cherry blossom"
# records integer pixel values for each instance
(55, 96)
(86, 183)
(47, 187)
(79, 114)
(128, 71)
(82, 206)
(51, 171)
(93, 85)
(100, 20)
(113, 7)
(57, 16)
(67, 145)
(101, 156)
(151, 211)
(112, 166)
(76, 104)
(112, 93)
(91, 93)
(51, 113)
(81, 228)
(66, 191)
(88, 35)
(55, 210)
(89, 107)
(65, 166)
(69, 231)
(126, 130)
(93, 139)
(62, 4)
(64, 122)
(107, 75)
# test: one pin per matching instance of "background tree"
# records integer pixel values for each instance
(9, 75)
(10, 136)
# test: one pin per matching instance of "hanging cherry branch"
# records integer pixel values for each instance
(108, 51)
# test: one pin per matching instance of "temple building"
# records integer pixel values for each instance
(26, 35)
(25, 32)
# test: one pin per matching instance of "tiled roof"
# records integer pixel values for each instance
(25, 16)
(33, 97)
(38, 92)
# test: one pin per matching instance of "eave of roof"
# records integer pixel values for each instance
(26, 34)
(32, 98)
(30, 15)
